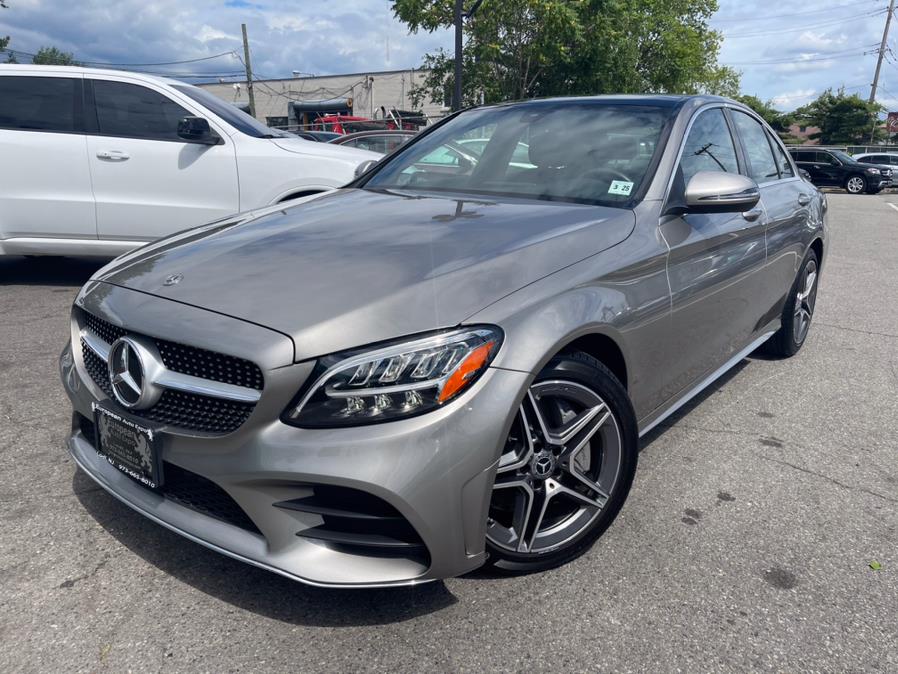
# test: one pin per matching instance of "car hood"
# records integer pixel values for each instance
(353, 267)
(314, 148)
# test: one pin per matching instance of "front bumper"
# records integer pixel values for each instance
(436, 470)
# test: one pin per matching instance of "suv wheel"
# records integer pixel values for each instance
(856, 185)
(566, 468)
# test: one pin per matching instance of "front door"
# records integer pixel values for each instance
(148, 182)
(714, 265)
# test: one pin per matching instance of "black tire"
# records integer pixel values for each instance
(855, 184)
(788, 340)
(585, 371)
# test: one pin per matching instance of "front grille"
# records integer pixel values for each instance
(190, 411)
(189, 490)
(197, 412)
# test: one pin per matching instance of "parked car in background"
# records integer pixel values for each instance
(97, 162)
(834, 168)
(318, 136)
(880, 158)
(444, 365)
(383, 142)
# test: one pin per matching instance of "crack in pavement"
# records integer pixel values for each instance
(863, 332)
(829, 479)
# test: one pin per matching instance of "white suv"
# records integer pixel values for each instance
(97, 162)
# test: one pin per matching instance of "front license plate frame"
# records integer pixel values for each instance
(132, 447)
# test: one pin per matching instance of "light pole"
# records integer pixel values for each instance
(460, 16)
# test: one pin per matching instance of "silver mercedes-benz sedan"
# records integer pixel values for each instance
(451, 360)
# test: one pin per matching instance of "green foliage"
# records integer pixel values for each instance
(842, 119)
(51, 56)
(524, 48)
(4, 44)
(778, 121)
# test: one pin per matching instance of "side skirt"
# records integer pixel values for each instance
(707, 381)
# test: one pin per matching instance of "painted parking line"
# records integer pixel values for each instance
(892, 205)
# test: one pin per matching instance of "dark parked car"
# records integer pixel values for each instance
(320, 136)
(834, 168)
(375, 141)
(443, 364)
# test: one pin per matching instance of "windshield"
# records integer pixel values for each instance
(842, 157)
(585, 152)
(231, 114)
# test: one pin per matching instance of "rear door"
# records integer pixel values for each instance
(786, 200)
(148, 182)
(715, 263)
(45, 190)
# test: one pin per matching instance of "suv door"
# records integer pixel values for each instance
(45, 190)
(148, 181)
(714, 265)
(786, 199)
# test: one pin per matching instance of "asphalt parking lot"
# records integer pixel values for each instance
(746, 542)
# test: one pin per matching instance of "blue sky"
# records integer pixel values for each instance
(787, 52)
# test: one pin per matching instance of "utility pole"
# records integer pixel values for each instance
(249, 71)
(882, 51)
(459, 17)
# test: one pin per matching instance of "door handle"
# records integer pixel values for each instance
(753, 214)
(113, 155)
(803, 199)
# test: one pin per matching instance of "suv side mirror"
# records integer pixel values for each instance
(721, 192)
(364, 167)
(197, 130)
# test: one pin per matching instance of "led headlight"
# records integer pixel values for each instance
(873, 170)
(397, 380)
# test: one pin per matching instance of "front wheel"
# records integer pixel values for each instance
(856, 185)
(566, 468)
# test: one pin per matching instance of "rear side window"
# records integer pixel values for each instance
(807, 157)
(782, 159)
(709, 146)
(133, 111)
(40, 104)
(761, 163)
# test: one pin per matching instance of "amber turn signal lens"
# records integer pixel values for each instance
(467, 369)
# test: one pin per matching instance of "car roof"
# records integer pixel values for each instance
(657, 100)
(870, 154)
(13, 68)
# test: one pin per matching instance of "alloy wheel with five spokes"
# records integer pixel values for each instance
(565, 458)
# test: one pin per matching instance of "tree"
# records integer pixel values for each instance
(778, 121)
(523, 48)
(51, 56)
(842, 119)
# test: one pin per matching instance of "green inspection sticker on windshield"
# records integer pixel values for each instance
(621, 187)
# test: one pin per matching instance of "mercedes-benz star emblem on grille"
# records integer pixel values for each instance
(173, 280)
(133, 366)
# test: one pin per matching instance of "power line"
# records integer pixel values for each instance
(786, 16)
(795, 29)
(799, 61)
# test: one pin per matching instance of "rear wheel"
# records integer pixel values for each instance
(566, 469)
(855, 185)
(798, 312)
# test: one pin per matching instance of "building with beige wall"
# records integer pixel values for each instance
(367, 94)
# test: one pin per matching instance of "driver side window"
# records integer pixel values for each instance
(709, 146)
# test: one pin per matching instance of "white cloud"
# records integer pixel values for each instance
(794, 99)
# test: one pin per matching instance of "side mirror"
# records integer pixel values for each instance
(197, 130)
(364, 167)
(721, 192)
(804, 175)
